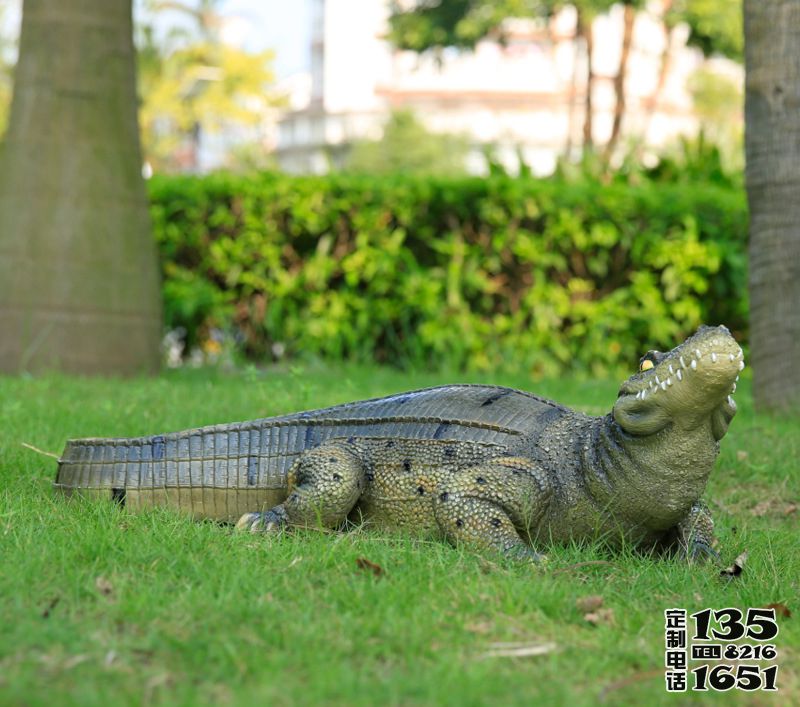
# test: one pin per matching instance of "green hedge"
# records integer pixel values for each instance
(547, 275)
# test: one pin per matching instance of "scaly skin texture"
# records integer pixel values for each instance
(486, 466)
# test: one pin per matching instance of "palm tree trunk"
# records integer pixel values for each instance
(584, 29)
(79, 286)
(619, 79)
(572, 92)
(663, 70)
(772, 144)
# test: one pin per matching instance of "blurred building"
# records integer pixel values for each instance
(525, 97)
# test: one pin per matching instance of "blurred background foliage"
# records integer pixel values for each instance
(715, 27)
(192, 82)
(547, 276)
(408, 147)
(402, 258)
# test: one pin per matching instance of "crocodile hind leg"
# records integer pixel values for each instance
(489, 505)
(324, 485)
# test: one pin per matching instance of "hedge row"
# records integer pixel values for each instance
(546, 275)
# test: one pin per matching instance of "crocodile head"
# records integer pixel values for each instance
(684, 388)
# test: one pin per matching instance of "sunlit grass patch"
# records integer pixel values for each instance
(100, 606)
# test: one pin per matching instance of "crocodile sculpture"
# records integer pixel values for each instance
(483, 465)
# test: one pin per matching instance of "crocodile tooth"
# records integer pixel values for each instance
(737, 379)
(713, 357)
(657, 381)
(669, 381)
(741, 365)
(731, 357)
(644, 394)
(698, 354)
(694, 365)
(680, 376)
(733, 389)
(670, 369)
(730, 401)
(683, 363)
(663, 385)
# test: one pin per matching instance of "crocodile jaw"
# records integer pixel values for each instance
(691, 383)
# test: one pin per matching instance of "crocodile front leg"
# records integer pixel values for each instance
(489, 505)
(694, 535)
(324, 485)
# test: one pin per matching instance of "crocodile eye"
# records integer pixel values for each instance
(650, 360)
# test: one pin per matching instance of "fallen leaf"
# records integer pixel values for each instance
(70, 663)
(761, 508)
(518, 650)
(774, 507)
(50, 606)
(630, 680)
(741, 455)
(143, 654)
(589, 603)
(736, 568)
(104, 586)
(780, 610)
(603, 616)
(479, 627)
(154, 683)
(487, 566)
(364, 564)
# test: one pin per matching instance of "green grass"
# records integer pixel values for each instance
(101, 607)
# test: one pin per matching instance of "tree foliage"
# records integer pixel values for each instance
(454, 23)
(715, 27)
(195, 83)
(408, 147)
(432, 25)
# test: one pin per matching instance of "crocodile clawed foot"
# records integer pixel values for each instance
(700, 553)
(271, 521)
(523, 554)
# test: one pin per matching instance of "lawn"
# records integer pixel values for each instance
(99, 606)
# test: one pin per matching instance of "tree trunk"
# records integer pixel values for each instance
(619, 79)
(573, 92)
(663, 70)
(772, 144)
(584, 29)
(79, 285)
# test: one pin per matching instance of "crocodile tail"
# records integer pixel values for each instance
(207, 473)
